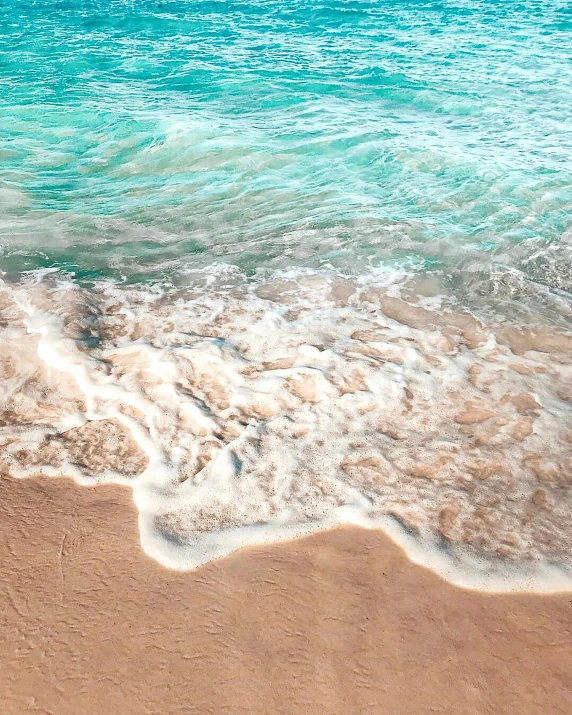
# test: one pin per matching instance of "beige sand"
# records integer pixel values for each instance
(336, 623)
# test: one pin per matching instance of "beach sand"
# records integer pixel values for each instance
(339, 622)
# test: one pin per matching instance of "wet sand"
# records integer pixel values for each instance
(338, 622)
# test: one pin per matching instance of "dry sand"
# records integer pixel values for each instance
(339, 622)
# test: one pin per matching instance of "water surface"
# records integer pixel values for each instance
(281, 265)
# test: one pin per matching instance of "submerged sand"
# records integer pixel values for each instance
(248, 414)
(338, 622)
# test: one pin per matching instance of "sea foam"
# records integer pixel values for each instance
(243, 412)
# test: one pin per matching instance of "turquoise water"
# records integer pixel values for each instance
(209, 212)
(141, 139)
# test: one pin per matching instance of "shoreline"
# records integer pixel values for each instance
(254, 421)
(340, 621)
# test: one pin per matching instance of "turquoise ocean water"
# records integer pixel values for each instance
(284, 265)
(141, 139)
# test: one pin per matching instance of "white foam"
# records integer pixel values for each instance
(266, 418)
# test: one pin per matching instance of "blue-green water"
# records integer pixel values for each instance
(209, 212)
(140, 139)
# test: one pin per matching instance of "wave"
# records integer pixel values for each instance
(243, 411)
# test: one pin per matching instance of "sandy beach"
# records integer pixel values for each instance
(285, 358)
(338, 622)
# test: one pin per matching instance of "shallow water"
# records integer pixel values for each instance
(281, 265)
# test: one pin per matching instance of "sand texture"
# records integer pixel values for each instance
(338, 622)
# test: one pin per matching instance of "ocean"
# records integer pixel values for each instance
(281, 266)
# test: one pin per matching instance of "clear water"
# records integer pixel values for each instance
(303, 263)
(141, 139)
